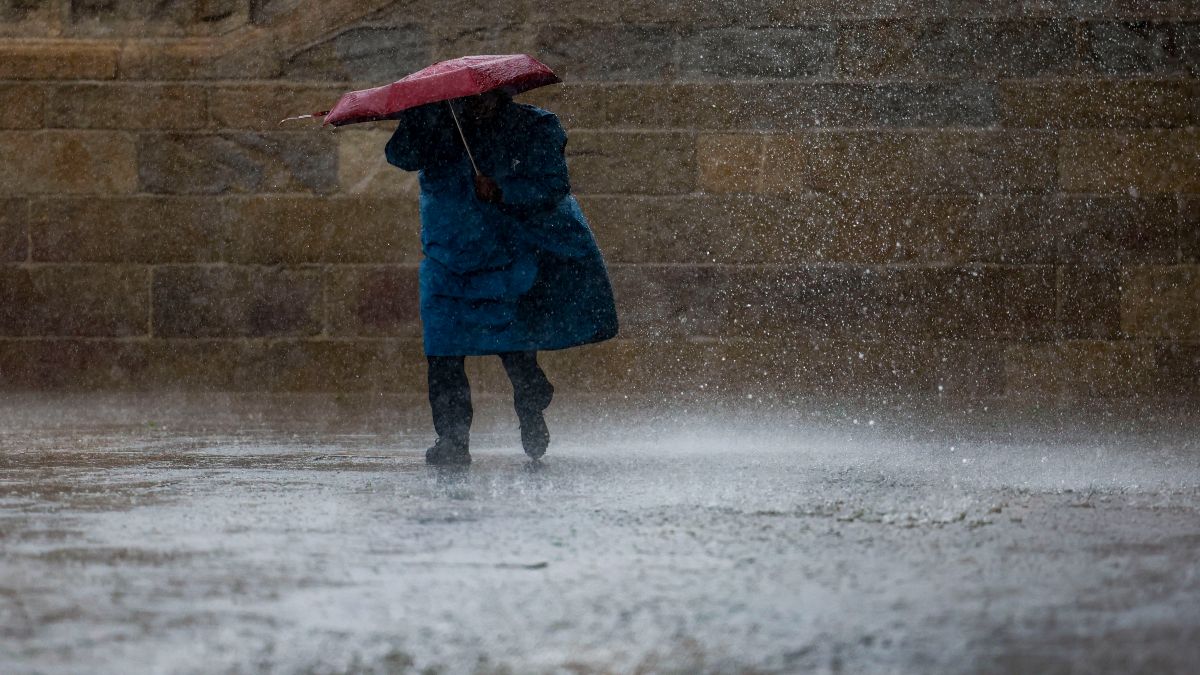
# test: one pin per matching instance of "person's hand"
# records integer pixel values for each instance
(487, 190)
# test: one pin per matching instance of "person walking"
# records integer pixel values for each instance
(510, 265)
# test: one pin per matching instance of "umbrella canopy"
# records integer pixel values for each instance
(465, 76)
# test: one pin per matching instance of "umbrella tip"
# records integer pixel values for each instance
(303, 117)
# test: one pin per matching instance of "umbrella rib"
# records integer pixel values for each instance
(463, 137)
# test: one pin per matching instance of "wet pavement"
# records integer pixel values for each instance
(138, 540)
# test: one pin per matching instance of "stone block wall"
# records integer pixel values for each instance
(924, 199)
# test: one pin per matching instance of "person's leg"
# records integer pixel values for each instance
(450, 403)
(532, 393)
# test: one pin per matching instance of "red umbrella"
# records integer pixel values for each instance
(465, 76)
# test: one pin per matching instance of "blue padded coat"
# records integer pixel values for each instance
(521, 275)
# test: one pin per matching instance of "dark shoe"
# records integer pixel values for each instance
(535, 437)
(447, 452)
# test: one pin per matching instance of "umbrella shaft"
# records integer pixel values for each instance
(463, 137)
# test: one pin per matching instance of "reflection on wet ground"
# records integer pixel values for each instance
(698, 544)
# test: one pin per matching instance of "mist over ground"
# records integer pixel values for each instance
(260, 534)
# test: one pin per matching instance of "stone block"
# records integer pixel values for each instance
(781, 106)
(775, 106)
(1089, 302)
(1186, 36)
(760, 13)
(1178, 369)
(1067, 104)
(935, 162)
(235, 56)
(72, 300)
(159, 60)
(67, 162)
(268, 11)
(746, 229)
(391, 365)
(307, 25)
(881, 230)
(966, 369)
(363, 54)
(278, 365)
(364, 170)
(1076, 229)
(625, 52)
(293, 230)
(628, 162)
(607, 13)
(658, 374)
(237, 163)
(29, 18)
(129, 229)
(14, 230)
(1142, 47)
(596, 105)
(791, 369)
(794, 52)
(671, 302)
(1118, 229)
(620, 365)
(1189, 228)
(373, 301)
(68, 364)
(809, 302)
(633, 11)
(222, 301)
(1002, 233)
(822, 302)
(701, 371)
(495, 35)
(988, 302)
(58, 61)
(126, 106)
(140, 18)
(262, 106)
(929, 104)
(1145, 161)
(23, 105)
(199, 365)
(1080, 370)
(972, 302)
(731, 162)
(465, 13)
(684, 229)
(955, 48)
(1161, 301)
(636, 229)
(1112, 8)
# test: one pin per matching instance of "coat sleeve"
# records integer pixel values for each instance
(420, 139)
(538, 179)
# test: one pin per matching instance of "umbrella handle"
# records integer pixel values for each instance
(463, 137)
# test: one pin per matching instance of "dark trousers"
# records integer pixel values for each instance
(450, 392)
